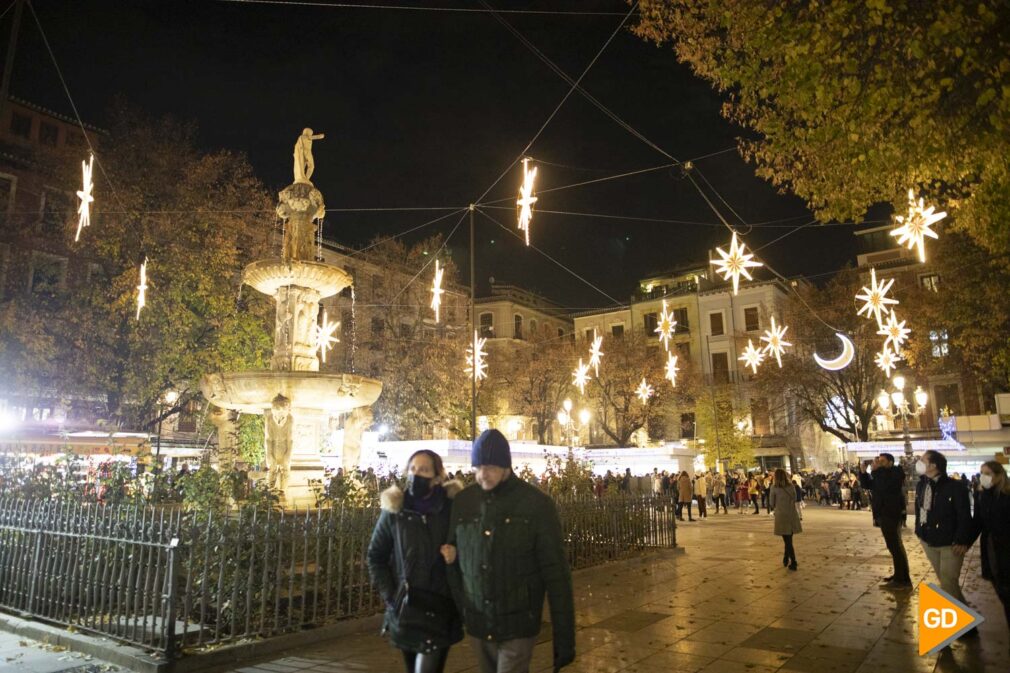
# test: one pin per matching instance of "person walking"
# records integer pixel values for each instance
(754, 491)
(506, 554)
(943, 520)
(992, 524)
(782, 500)
(685, 496)
(407, 567)
(886, 484)
(719, 492)
(701, 495)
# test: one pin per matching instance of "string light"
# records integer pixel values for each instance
(325, 336)
(671, 369)
(895, 332)
(436, 290)
(775, 343)
(476, 351)
(526, 198)
(915, 226)
(86, 196)
(595, 354)
(142, 288)
(752, 356)
(735, 263)
(580, 377)
(665, 327)
(644, 391)
(887, 360)
(875, 298)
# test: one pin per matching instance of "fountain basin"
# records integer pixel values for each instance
(270, 275)
(252, 392)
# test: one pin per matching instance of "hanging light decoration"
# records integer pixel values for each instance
(325, 336)
(526, 198)
(580, 377)
(875, 299)
(915, 226)
(775, 344)
(895, 332)
(142, 288)
(735, 263)
(665, 327)
(86, 196)
(671, 369)
(644, 391)
(476, 358)
(595, 354)
(436, 290)
(887, 360)
(752, 356)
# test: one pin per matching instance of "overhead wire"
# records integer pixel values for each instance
(433, 257)
(420, 8)
(404, 233)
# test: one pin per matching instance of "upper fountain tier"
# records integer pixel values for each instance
(270, 275)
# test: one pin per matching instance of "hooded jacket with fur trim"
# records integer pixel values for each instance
(420, 537)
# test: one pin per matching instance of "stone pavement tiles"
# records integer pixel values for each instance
(726, 605)
(21, 655)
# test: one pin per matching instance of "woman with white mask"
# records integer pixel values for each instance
(992, 523)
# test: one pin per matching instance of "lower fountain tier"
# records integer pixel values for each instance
(252, 392)
(270, 275)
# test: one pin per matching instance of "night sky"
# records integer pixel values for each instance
(426, 109)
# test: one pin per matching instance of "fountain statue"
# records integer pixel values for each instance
(296, 398)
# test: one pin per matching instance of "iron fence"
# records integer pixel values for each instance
(174, 582)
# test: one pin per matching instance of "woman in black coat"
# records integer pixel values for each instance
(405, 561)
(992, 522)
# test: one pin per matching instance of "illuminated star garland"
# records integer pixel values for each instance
(595, 354)
(142, 288)
(526, 198)
(86, 197)
(644, 391)
(580, 377)
(665, 327)
(887, 360)
(752, 356)
(915, 226)
(775, 343)
(324, 336)
(436, 290)
(735, 263)
(875, 299)
(671, 369)
(476, 351)
(895, 332)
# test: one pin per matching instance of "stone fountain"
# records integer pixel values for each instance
(296, 399)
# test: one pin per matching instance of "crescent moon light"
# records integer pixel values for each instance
(843, 360)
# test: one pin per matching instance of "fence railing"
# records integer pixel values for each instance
(176, 582)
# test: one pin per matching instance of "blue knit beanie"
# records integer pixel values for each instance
(491, 448)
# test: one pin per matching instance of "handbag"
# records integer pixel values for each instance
(421, 609)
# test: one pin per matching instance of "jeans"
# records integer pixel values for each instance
(425, 662)
(508, 656)
(789, 553)
(716, 499)
(680, 510)
(947, 566)
(702, 506)
(891, 530)
(754, 501)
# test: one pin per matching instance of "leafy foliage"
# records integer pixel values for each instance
(536, 378)
(725, 442)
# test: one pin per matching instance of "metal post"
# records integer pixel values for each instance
(157, 449)
(170, 598)
(473, 329)
(904, 429)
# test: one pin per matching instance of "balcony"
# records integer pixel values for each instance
(673, 290)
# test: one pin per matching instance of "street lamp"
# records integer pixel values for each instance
(167, 400)
(566, 419)
(895, 405)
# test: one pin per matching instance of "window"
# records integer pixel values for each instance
(486, 325)
(680, 315)
(687, 426)
(684, 351)
(21, 125)
(939, 341)
(715, 326)
(760, 418)
(49, 134)
(378, 327)
(651, 321)
(617, 331)
(948, 397)
(930, 281)
(95, 274)
(517, 326)
(533, 328)
(751, 320)
(48, 273)
(74, 139)
(589, 334)
(720, 367)
(55, 211)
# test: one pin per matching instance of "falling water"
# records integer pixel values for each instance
(354, 328)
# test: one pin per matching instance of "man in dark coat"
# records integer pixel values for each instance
(886, 482)
(509, 555)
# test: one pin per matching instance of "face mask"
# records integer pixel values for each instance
(920, 467)
(418, 486)
(985, 480)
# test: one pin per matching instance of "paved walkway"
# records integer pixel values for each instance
(723, 605)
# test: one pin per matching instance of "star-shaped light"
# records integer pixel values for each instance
(887, 360)
(915, 226)
(436, 290)
(580, 377)
(895, 332)
(644, 391)
(665, 327)
(324, 336)
(671, 369)
(86, 197)
(735, 263)
(477, 347)
(875, 299)
(775, 344)
(526, 198)
(752, 356)
(142, 288)
(595, 354)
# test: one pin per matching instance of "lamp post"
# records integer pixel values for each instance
(168, 399)
(895, 405)
(567, 421)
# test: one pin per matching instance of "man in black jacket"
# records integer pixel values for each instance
(943, 520)
(886, 482)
